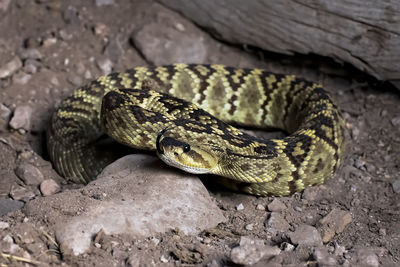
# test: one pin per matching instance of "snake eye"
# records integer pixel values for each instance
(186, 148)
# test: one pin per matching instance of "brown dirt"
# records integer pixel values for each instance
(75, 37)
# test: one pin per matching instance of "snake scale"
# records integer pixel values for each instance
(148, 108)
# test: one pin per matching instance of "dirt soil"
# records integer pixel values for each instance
(54, 46)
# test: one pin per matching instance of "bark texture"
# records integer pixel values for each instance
(365, 33)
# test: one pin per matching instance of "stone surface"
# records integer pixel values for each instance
(334, 223)
(276, 205)
(137, 195)
(163, 44)
(276, 223)
(5, 112)
(22, 118)
(323, 258)
(49, 187)
(367, 257)
(29, 174)
(8, 205)
(10, 67)
(4, 225)
(251, 250)
(306, 235)
(396, 186)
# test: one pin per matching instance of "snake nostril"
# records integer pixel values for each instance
(176, 154)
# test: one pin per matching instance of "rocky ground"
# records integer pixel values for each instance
(142, 213)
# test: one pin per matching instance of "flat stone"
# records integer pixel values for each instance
(163, 43)
(276, 223)
(306, 235)
(334, 223)
(22, 118)
(10, 67)
(29, 174)
(9, 205)
(251, 250)
(136, 195)
(276, 205)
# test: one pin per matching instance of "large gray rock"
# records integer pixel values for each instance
(137, 195)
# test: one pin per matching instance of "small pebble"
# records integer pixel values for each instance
(276, 223)
(21, 78)
(10, 67)
(323, 258)
(105, 65)
(260, 207)
(382, 232)
(396, 186)
(49, 187)
(306, 235)
(5, 112)
(276, 205)
(395, 121)
(288, 247)
(240, 207)
(249, 227)
(4, 225)
(163, 259)
(22, 118)
(97, 245)
(104, 2)
(31, 53)
(367, 257)
(251, 250)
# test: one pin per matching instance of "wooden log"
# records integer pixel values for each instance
(365, 33)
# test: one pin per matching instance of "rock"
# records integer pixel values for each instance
(10, 68)
(395, 121)
(276, 205)
(396, 186)
(334, 223)
(5, 112)
(8, 205)
(8, 246)
(260, 207)
(30, 53)
(21, 193)
(21, 78)
(367, 257)
(101, 30)
(22, 118)
(314, 193)
(29, 174)
(105, 65)
(163, 43)
(136, 195)
(104, 2)
(4, 225)
(4, 5)
(250, 251)
(240, 207)
(323, 258)
(49, 187)
(276, 223)
(306, 235)
(74, 79)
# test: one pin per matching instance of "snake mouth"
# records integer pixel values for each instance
(158, 140)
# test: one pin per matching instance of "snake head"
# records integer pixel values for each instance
(185, 155)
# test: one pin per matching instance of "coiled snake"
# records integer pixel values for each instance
(138, 108)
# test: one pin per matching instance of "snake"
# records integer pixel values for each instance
(190, 115)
